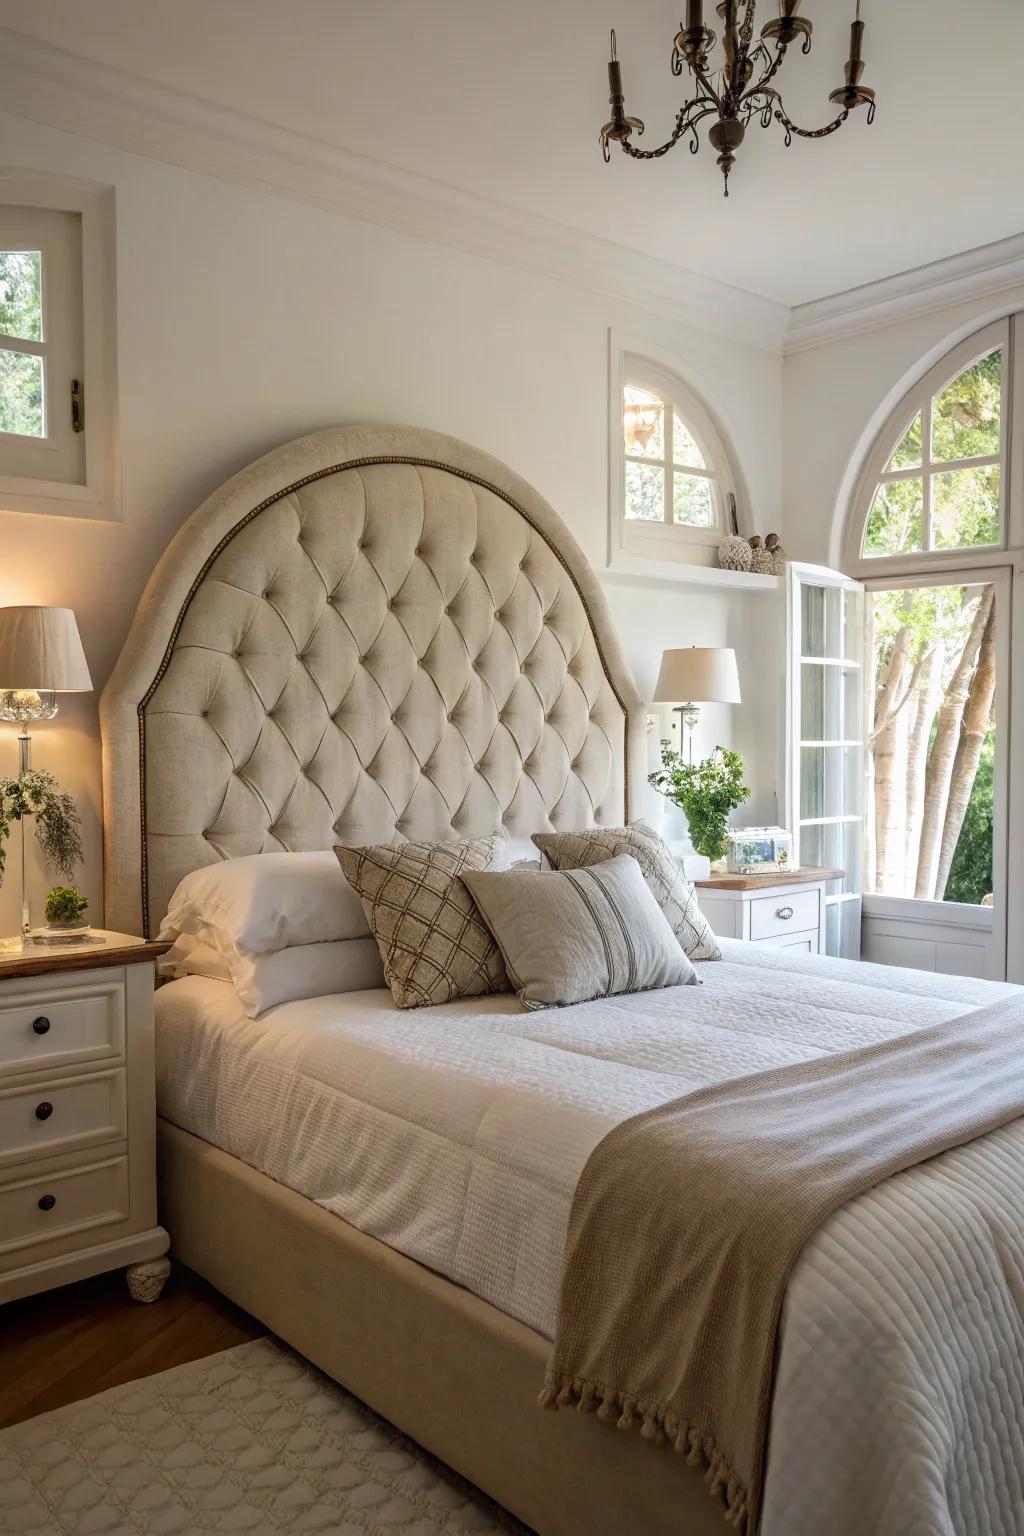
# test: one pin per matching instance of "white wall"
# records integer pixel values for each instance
(246, 319)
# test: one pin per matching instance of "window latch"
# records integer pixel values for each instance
(77, 414)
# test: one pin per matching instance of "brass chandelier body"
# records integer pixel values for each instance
(741, 89)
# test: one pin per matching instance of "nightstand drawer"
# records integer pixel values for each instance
(52, 1117)
(36, 1209)
(782, 913)
(53, 1027)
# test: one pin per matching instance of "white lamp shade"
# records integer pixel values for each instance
(698, 675)
(41, 649)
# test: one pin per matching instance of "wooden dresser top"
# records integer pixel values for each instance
(56, 959)
(806, 876)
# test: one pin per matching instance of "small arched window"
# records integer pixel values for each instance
(934, 484)
(675, 485)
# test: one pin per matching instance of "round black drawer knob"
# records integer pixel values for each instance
(47, 1202)
(44, 1110)
(41, 1025)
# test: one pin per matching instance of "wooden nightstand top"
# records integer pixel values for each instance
(56, 959)
(807, 876)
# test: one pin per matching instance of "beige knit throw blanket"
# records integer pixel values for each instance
(688, 1220)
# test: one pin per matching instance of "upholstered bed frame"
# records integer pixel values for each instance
(372, 634)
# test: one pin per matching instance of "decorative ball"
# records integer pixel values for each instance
(761, 561)
(734, 553)
(773, 544)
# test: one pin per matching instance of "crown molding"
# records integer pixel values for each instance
(64, 90)
(984, 272)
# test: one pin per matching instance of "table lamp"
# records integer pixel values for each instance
(697, 675)
(40, 656)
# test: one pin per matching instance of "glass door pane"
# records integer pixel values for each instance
(934, 742)
(827, 758)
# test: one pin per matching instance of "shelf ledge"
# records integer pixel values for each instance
(632, 568)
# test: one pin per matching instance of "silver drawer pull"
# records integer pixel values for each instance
(784, 912)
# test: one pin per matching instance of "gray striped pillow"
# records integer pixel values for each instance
(570, 936)
(673, 892)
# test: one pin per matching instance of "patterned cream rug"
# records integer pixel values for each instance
(251, 1441)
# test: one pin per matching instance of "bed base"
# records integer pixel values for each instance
(451, 1371)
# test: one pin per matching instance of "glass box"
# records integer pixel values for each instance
(758, 850)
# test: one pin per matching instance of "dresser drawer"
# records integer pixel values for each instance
(33, 1210)
(806, 943)
(52, 1028)
(52, 1117)
(786, 912)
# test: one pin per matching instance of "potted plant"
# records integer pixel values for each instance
(705, 792)
(58, 825)
(64, 907)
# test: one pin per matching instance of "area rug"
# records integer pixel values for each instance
(254, 1441)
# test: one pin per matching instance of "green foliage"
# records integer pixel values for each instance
(705, 792)
(58, 824)
(965, 416)
(896, 520)
(965, 424)
(21, 374)
(970, 874)
(64, 904)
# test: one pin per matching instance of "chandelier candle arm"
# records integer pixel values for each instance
(731, 93)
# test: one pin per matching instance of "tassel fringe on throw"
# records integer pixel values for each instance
(662, 1426)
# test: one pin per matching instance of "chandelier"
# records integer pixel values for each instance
(731, 94)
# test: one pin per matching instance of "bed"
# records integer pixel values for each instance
(378, 634)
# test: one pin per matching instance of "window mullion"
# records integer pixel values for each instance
(669, 456)
(927, 469)
(22, 344)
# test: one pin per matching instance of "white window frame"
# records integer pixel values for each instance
(852, 737)
(632, 540)
(918, 402)
(98, 494)
(917, 909)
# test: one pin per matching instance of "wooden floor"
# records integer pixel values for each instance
(65, 1345)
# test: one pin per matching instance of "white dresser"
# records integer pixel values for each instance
(78, 1117)
(787, 911)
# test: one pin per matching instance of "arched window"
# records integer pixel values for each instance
(927, 534)
(935, 483)
(673, 484)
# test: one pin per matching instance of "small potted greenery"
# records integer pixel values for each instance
(64, 907)
(36, 798)
(705, 792)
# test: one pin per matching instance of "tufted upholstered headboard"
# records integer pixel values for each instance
(371, 634)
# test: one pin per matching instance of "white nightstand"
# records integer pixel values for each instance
(787, 911)
(78, 1117)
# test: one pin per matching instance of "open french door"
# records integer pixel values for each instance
(825, 741)
(935, 871)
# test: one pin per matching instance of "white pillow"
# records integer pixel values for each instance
(191, 957)
(266, 902)
(284, 976)
(306, 970)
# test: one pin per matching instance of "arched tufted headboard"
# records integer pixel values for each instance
(373, 633)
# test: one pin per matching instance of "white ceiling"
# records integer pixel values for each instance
(506, 100)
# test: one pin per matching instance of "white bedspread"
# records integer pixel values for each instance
(457, 1136)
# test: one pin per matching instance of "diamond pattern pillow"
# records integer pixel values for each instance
(670, 887)
(432, 940)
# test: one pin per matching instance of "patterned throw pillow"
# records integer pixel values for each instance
(432, 940)
(672, 891)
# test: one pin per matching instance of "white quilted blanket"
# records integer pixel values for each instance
(457, 1136)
